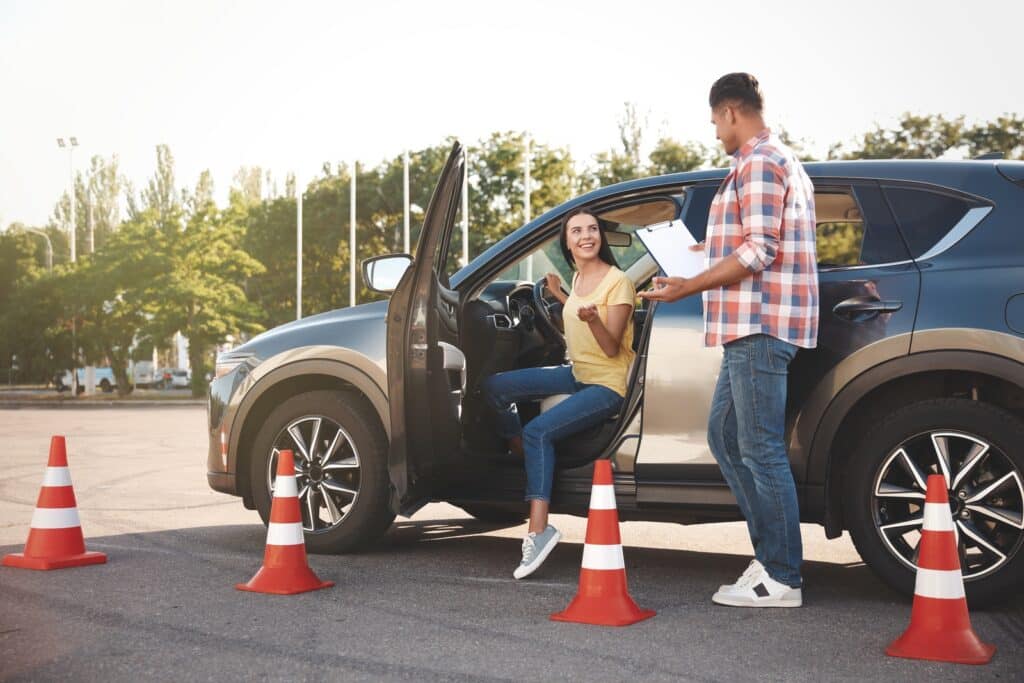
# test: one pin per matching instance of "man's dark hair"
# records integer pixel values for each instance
(740, 88)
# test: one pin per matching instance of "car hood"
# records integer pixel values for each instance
(332, 328)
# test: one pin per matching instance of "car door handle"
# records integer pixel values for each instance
(864, 308)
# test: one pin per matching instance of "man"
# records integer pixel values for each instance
(761, 304)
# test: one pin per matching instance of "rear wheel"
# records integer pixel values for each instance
(340, 468)
(976, 448)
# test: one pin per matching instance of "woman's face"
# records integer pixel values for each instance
(583, 237)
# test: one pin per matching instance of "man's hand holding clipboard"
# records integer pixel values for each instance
(672, 287)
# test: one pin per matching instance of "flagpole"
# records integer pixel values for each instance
(298, 248)
(352, 237)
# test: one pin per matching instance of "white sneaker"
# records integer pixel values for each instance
(536, 548)
(752, 570)
(760, 590)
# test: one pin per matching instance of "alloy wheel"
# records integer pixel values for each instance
(986, 498)
(327, 469)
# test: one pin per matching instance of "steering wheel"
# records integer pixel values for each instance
(549, 312)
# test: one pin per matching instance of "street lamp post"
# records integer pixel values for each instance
(70, 147)
(298, 247)
(49, 247)
(72, 228)
(352, 237)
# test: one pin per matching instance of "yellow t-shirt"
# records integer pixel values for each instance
(590, 365)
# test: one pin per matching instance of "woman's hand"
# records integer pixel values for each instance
(587, 313)
(553, 282)
(554, 285)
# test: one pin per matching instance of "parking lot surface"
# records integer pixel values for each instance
(433, 601)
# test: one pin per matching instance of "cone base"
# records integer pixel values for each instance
(957, 647)
(603, 611)
(284, 581)
(23, 561)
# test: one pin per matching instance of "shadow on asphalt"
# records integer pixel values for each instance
(459, 550)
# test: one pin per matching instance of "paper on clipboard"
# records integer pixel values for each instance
(669, 243)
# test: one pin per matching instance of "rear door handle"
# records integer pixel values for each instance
(860, 308)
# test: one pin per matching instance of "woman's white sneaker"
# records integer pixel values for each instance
(536, 548)
(760, 590)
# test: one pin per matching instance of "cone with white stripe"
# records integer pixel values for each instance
(940, 628)
(55, 538)
(285, 570)
(603, 598)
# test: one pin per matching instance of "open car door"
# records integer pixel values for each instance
(426, 369)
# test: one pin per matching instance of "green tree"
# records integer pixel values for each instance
(200, 288)
(1005, 134)
(109, 291)
(672, 156)
(914, 137)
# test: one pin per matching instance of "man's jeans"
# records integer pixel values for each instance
(588, 405)
(746, 434)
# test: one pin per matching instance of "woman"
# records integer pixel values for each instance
(597, 316)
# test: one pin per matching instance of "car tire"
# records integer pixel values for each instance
(368, 515)
(495, 514)
(106, 386)
(896, 452)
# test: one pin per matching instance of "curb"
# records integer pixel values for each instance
(94, 405)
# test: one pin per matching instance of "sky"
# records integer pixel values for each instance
(289, 86)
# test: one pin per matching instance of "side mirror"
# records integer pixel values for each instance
(618, 239)
(383, 273)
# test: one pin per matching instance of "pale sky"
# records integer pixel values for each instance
(287, 86)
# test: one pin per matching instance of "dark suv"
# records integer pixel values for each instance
(919, 369)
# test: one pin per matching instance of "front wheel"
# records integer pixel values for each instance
(976, 447)
(340, 468)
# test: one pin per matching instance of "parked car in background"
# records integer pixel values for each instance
(144, 374)
(104, 380)
(919, 370)
(179, 379)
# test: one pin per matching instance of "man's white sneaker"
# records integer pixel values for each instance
(760, 590)
(752, 570)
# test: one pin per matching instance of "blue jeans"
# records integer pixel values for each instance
(588, 405)
(746, 434)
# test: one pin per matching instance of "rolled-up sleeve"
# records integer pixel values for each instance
(761, 190)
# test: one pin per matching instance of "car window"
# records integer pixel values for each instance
(696, 209)
(840, 229)
(924, 216)
(855, 228)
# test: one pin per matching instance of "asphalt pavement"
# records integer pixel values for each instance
(433, 601)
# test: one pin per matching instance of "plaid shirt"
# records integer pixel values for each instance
(764, 213)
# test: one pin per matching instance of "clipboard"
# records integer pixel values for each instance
(669, 244)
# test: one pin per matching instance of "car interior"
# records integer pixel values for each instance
(512, 322)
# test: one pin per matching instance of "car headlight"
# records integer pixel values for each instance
(226, 365)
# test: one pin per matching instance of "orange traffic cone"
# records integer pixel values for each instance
(285, 570)
(55, 538)
(602, 597)
(940, 628)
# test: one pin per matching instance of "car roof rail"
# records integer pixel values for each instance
(987, 156)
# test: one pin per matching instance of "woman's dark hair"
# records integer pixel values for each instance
(604, 252)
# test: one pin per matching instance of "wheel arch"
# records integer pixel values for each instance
(292, 379)
(937, 374)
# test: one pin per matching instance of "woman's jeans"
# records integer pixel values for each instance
(588, 405)
(746, 432)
